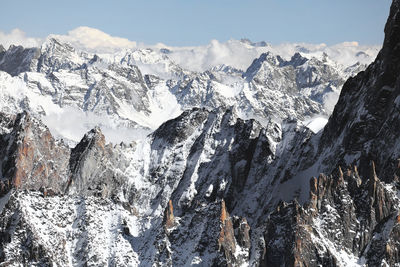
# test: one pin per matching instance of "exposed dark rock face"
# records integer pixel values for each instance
(32, 159)
(365, 122)
(342, 215)
(287, 240)
(85, 160)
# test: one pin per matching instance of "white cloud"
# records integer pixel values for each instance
(350, 44)
(240, 54)
(94, 40)
(71, 124)
(235, 53)
(330, 100)
(18, 37)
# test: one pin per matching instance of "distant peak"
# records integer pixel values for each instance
(165, 51)
(296, 60)
(53, 40)
(268, 56)
(258, 63)
(226, 69)
(257, 44)
(15, 47)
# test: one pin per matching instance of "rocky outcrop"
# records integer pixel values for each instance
(226, 240)
(288, 240)
(95, 167)
(234, 239)
(169, 220)
(242, 232)
(32, 159)
(358, 219)
(85, 159)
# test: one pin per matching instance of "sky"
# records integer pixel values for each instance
(196, 22)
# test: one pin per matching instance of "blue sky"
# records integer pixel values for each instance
(196, 22)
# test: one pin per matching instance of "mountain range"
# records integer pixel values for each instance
(133, 158)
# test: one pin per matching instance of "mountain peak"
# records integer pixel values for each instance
(257, 44)
(391, 45)
(54, 43)
(264, 58)
(95, 134)
(296, 60)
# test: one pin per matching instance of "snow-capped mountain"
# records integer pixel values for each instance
(234, 170)
(137, 90)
